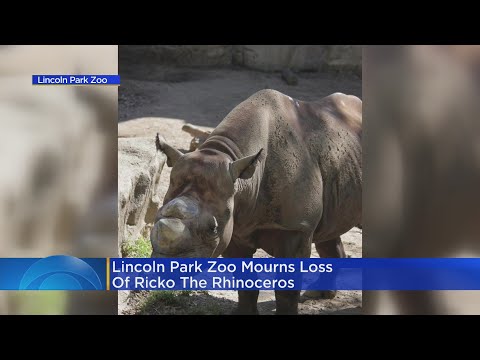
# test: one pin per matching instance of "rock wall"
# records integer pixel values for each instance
(139, 169)
(257, 57)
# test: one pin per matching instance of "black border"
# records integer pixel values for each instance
(244, 22)
(271, 334)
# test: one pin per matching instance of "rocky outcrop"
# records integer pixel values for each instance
(139, 169)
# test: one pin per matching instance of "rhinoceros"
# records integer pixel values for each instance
(276, 174)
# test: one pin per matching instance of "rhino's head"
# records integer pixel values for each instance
(196, 219)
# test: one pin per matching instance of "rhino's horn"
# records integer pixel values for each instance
(245, 167)
(172, 154)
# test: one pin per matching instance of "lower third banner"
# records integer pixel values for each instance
(294, 274)
(62, 272)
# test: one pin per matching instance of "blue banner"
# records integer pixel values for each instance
(76, 80)
(62, 272)
(294, 274)
(59, 272)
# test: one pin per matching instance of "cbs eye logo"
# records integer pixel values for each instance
(60, 272)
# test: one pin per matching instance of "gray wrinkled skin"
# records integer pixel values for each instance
(277, 173)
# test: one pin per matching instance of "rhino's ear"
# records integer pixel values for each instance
(245, 167)
(172, 154)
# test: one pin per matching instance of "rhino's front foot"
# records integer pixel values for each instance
(318, 295)
(247, 303)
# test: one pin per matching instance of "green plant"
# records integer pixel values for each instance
(140, 248)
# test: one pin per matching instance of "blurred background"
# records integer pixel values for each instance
(421, 165)
(58, 192)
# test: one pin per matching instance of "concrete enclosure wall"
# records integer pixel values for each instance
(257, 57)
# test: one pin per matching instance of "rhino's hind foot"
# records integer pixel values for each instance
(317, 295)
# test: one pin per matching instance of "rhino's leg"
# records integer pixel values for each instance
(287, 302)
(331, 248)
(326, 249)
(247, 302)
(247, 299)
(290, 244)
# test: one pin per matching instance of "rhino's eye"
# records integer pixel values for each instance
(213, 226)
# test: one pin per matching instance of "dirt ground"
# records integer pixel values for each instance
(203, 97)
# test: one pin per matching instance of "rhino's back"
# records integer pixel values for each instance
(301, 141)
